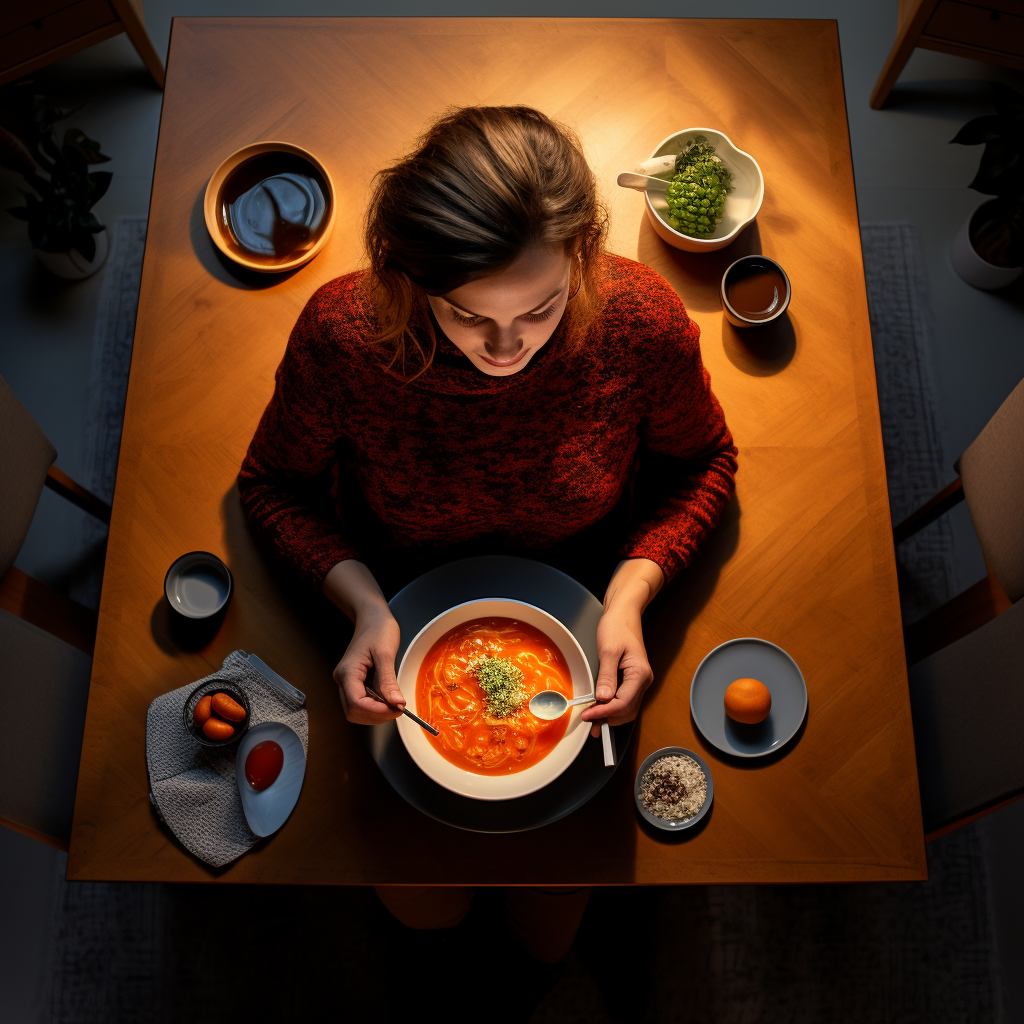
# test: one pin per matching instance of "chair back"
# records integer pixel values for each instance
(45, 682)
(25, 456)
(992, 470)
(968, 709)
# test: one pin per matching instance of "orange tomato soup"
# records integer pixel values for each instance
(450, 699)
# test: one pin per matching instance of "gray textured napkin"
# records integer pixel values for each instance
(193, 787)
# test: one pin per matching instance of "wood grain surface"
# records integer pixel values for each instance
(804, 557)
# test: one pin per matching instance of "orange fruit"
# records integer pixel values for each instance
(218, 730)
(748, 701)
(202, 711)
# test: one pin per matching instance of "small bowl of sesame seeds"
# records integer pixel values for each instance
(673, 789)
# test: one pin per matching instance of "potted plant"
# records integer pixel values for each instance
(67, 237)
(988, 252)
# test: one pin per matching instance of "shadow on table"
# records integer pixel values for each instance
(760, 351)
(173, 632)
(216, 263)
(696, 276)
(672, 611)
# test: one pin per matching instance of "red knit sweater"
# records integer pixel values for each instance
(620, 442)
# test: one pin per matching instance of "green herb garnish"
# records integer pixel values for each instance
(502, 682)
(698, 189)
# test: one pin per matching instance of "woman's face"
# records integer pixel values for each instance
(500, 322)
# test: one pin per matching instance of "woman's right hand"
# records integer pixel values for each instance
(370, 657)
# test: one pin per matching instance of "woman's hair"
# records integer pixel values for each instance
(485, 184)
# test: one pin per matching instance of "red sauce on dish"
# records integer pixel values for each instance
(263, 765)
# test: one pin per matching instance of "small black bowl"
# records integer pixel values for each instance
(211, 687)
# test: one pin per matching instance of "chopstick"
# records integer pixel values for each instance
(405, 711)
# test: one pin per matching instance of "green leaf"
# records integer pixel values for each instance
(89, 222)
(88, 149)
(981, 129)
(74, 159)
(14, 154)
(85, 243)
(1008, 102)
(99, 182)
(49, 147)
(1001, 170)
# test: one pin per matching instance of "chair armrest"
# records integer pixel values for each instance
(930, 511)
(59, 481)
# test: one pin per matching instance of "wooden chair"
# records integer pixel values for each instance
(968, 709)
(990, 30)
(991, 480)
(46, 643)
(967, 658)
(36, 33)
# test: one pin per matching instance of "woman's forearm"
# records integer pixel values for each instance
(352, 587)
(633, 585)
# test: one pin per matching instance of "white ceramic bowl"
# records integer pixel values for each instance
(741, 205)
(494, 787)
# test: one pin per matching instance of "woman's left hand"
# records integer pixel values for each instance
(620, 646)
(624, 672)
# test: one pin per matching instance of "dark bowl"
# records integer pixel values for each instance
(672, 824)
(736, 318)
(211, 687)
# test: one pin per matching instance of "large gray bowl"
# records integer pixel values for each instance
(518, 579)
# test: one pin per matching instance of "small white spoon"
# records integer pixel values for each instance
(550, 704)
(642, 182)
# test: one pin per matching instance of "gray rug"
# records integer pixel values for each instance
(916, 466)
(108, 388)
(848, 954)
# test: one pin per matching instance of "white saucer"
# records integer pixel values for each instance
(267, 811)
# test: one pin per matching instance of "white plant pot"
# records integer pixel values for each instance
(73, 265)
(970, 266)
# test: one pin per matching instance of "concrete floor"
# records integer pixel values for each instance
(905, 170)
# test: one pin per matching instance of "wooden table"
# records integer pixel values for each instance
(804, 558)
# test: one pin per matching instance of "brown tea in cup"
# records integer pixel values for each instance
(755, 290)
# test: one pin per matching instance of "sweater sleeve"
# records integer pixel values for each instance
(286, 478)
(688, 459)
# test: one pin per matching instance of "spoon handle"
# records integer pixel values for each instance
(376, 695)
(642, 182)
(608, 745)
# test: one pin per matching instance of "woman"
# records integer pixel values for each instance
(494, 382)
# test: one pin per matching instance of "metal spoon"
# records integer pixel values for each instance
(550, 704)
(642, 182)
(377, 695)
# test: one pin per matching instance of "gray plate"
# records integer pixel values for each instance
(518, 579)
(665, 823)
(757, 659)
